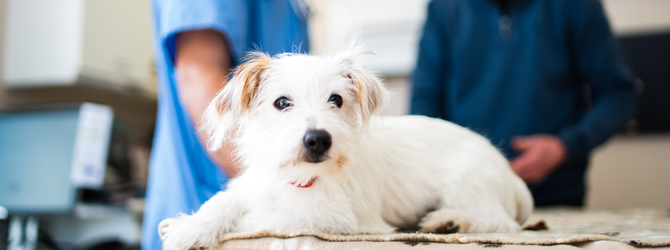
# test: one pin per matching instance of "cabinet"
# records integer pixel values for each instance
(67, 42)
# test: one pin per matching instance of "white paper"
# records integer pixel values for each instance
(91, 145)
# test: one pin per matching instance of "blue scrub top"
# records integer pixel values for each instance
(181, 175)
(526, 72)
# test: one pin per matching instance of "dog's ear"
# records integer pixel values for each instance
(221, 118)
(243, 86)
(369, 88)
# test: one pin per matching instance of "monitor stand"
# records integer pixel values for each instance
(23, 230)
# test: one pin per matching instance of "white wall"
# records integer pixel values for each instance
(628, 17)
(388, 28)
(42, 41)
(631, 171)
(117, 42)
(72, 41)
(2, 42)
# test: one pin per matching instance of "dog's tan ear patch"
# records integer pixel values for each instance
(221, 118)
(247, 78)
(252, 72)
(370, 92)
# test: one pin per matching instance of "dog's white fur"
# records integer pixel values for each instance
(381, 173)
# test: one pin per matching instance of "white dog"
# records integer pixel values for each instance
(314, 157)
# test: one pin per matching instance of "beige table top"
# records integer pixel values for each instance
(568, 229)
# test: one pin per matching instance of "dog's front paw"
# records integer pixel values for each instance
(185, 233)
(164, 227)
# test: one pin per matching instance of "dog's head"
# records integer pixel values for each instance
(297, 114)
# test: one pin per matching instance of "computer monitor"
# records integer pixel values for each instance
(46, 154)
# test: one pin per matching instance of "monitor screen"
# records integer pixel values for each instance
(46, 154)
(35, 160)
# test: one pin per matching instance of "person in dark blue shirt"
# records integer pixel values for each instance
(542, 79)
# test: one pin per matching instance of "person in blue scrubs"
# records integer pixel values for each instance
(542, 79)
(195, 45)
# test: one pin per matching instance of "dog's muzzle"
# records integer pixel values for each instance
(317, 142)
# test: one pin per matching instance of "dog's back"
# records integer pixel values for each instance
(435, 156)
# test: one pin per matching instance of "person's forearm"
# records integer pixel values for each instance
(601, 65)
(609, 114)
(202, 61)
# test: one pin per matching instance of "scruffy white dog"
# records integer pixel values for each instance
(314, 157)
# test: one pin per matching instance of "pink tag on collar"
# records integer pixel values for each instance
(309, 183)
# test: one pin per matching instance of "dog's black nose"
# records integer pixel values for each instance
(317, 141)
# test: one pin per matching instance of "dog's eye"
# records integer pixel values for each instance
(282, 103)
(336, 99)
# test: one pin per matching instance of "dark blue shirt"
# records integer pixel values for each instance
(542, 66)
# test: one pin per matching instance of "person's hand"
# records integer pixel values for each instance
(539, 155)
(202, 61)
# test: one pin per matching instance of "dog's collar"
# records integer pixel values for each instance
(309, 183)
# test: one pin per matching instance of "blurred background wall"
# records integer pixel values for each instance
(100, 51)
(2, 45)
(77, 50)
(73, 51)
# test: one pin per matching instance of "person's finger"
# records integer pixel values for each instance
(535, 170)
(526, 165)
(529, 156)
(525, 175)
(530, 177)
(533, 178)
(521, 163)
(520, 143)
(518, 170)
